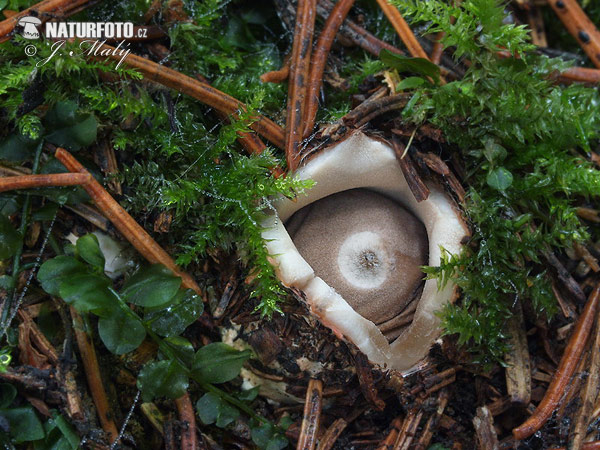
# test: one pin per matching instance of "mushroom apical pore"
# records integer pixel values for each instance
(366, 234)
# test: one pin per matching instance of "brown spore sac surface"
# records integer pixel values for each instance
(369, 248)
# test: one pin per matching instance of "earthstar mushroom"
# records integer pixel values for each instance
(356, 251)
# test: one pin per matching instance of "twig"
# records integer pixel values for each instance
(589, 393)
(74, 406)
(392, 437)
(487, 439)
(565, 277)
(36, 181)
(312, 416)
(580, 74)
(580, 26)
(189, 440)
(409, 429)
(357, 34)
(536, 24)
(277, 76)
(564, 372)
(250, 141)
(436, 164)
(318, 60)
(367, 385)
(438, 48)
(42, 10)
(299, 67)
(332, 433)
(92, 373)
(518, 369)
(403, 30)
(196, 89)
(415, 183)
(131, 230)
(370, 109)
(432, 422)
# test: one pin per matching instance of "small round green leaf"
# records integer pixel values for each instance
(87, 292)
(120, 332)
(151, 286)
(162, 379)
(181, 312)
(89, 250)
(53, 271)
(218, 363)
(213, 409)
(410, 83)
(494, 152)
(499, 178)
(24, 424)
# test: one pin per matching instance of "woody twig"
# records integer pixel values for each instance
(196, 89)
(319, 59)
(580, 27)
(299, 67)
(565, 370)
(43, 10)
(131, 230)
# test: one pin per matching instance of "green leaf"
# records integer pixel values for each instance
(410, 83)
(213, 409)
(24, 424)
(89, 250)
(69, 128)
(218, 362)
(59, 435)
(499, 178)
(8, 204)
(7, 394)
(266, 437)
(10, 239)
(403, 63)
(53, 271)
(248, 395)
(182, 311)
(277, 442)
(120, 332)
(162, 379)
(494, 152)
(87, 292)
(17, 148)
(151, 286)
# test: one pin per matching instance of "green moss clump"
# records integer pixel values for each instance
(524, 140)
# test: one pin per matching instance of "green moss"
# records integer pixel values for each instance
(523, 141)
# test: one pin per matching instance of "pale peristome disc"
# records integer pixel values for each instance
(363, 162)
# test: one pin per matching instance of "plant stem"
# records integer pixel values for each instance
(7, 306)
